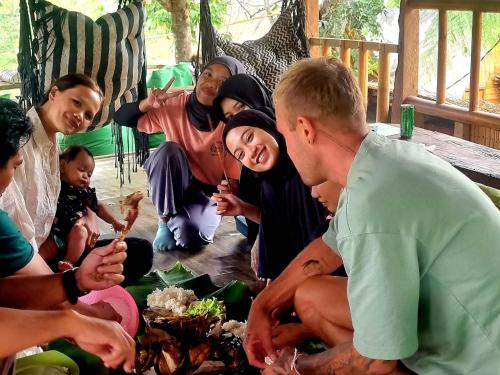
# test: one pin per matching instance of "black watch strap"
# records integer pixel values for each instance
(70, 287)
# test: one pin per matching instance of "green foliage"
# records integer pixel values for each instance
(352, 19)
(159, 20)
(91, 8)
(459, 37)
(9, 19)
(393, 3)
(372, 65)
(9, 41)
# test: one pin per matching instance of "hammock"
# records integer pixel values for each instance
(267, 57)
(55, 42)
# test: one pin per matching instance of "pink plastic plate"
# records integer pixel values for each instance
(121, 301)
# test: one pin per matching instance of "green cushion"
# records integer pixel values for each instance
(492, 193)
(181, 71)
(99, 141)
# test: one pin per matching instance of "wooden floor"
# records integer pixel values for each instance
(224, 260)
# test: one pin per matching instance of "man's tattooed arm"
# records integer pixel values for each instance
(344, 359)
(312, 267)
(316, 259)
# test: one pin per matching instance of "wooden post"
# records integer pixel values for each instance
(442, 56)
(475, 60)
(345, 55)
(383, 86)
(407, 72)
(363, 73)
(326, 49)
(312, 24)
(461, 130)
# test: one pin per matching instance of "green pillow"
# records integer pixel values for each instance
(181, 71)
(492, 193)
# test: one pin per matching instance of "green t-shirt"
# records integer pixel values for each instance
(15, 251)
(421, 245)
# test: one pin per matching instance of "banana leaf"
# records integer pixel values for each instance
(236, 297)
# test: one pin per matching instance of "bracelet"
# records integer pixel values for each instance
(70, 287)
(293, 365)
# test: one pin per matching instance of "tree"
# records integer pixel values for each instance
(182, 18)
(352, 19)
(459, 37)
(181, 27)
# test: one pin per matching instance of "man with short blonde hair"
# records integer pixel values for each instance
(418, 239)
(321, 88)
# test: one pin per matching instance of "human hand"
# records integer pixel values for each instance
(228, 204)
(231, 187)
(92, 226)
(117, 226)
(102, 267)
(258, 344)
(283, 364)
(158, 97)
(104, 310)
(290, 334)
(105, 339)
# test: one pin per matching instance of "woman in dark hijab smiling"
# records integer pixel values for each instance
(184, 171)
(240, 92)
(290, 218)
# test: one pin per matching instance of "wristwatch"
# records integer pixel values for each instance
(70, 287)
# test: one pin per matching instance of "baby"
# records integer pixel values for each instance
(76, 197)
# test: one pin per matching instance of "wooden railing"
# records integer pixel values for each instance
(384, 49)
(406, 86)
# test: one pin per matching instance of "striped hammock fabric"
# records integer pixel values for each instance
(110, 50)
(268, 57)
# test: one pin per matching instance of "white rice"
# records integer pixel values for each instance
(235, 327)
(174, 299)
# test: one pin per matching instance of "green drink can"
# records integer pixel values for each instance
(407, 120)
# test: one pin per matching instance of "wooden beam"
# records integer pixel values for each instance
(353, 44)
(442, 56)
(375, 46)
(474, 5)
(475, 63)
(312, 24)
(383, 87)
(455, 113)
(407, 71)
(363, 74)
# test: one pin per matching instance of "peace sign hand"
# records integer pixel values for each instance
(158, 97)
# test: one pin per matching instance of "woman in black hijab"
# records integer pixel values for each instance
(240, 92)
(184, 171)
(290, 218)
(237, 93)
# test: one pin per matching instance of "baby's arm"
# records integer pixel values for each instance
(105, 214)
